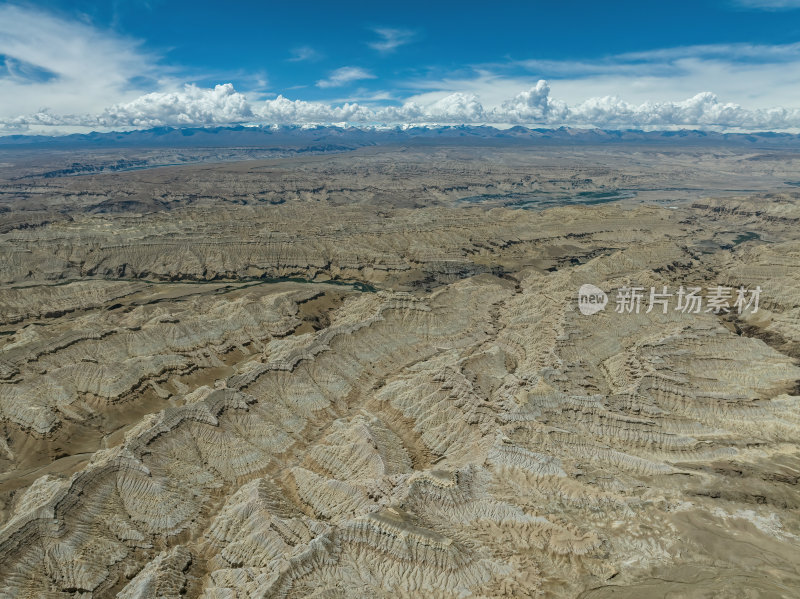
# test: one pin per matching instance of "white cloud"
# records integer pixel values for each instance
(456, 107)
(390, 39)
(703, 111)
(345, 75)
(84, 69)
(192, 106)
(284, 111)
(768, 4)
(221, 105)
(303, 53)
(58, 74)
(758, 52)
(755, 75)
(534, 105)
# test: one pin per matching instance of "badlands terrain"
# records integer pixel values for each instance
(364, 373)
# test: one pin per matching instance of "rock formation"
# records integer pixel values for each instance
(375, 389)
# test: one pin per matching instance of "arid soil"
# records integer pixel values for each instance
(366, 374)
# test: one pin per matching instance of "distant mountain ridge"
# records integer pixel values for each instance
(337, 138)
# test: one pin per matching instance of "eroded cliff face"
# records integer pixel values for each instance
(426, 413)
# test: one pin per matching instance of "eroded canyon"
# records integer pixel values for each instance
(365, 374)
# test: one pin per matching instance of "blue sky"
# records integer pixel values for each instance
(722, 64)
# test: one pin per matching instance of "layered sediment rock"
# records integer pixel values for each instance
(462, 429)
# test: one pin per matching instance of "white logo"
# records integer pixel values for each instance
(633, 300)
(591, 299)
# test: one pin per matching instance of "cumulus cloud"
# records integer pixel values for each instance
(703, 111)
(758, 75)
(63, 75)
(223, 105)
(345, 75)
(192, 106)
(390, 39)
(456, 107)
(284, 111)
(196, 106)
(534, 105)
